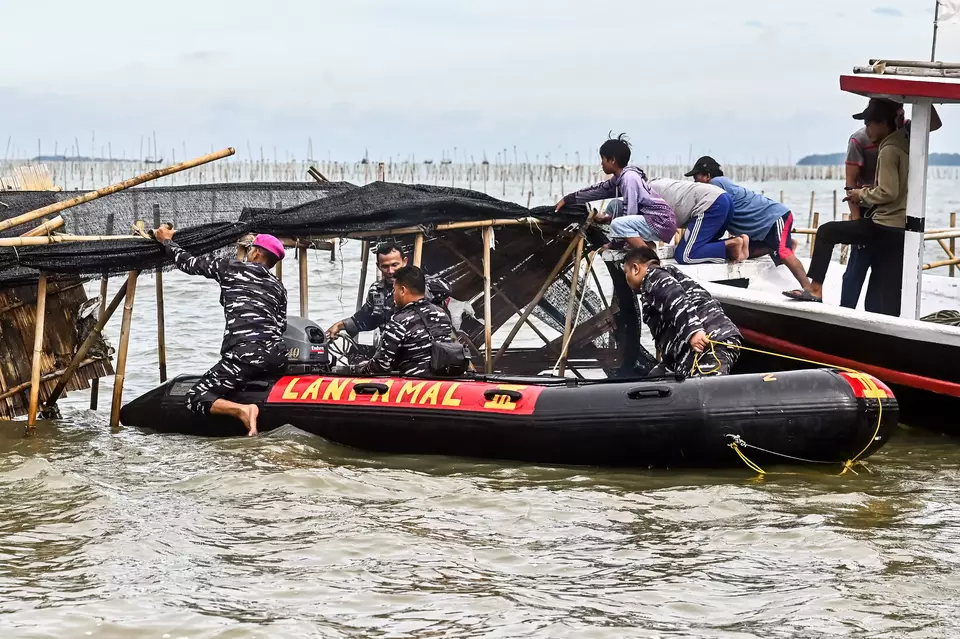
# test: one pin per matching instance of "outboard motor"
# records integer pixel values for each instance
(306, 344)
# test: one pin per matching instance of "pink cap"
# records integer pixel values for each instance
(271, 244)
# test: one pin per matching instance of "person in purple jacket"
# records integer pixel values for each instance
(646, 216)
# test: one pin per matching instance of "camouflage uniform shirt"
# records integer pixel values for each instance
(378, 308)
(254, 301)
(406, 343)
(675, 307)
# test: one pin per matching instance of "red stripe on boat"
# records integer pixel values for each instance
(890, 376)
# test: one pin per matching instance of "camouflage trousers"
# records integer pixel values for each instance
(241, 364)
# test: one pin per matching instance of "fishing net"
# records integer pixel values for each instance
(208, 220)
(212, 218)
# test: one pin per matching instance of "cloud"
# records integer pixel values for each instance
(200, 56)
(888, 11)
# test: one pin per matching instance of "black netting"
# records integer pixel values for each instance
(335, 209)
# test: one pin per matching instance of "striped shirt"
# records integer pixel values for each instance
(675, 307)
(406, 343)
(254, 301)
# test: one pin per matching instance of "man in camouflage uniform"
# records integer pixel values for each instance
(255, 305)
(689, 327)
(379, 306)
(406, 342)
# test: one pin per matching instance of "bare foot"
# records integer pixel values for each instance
(744, 251)
(249, 419)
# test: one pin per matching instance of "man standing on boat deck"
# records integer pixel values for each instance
(379, 305)
(705, 210)
(409, 335)
(255, 306)
(861, 171)
(694, 337)
(767, 223)
(646, 216)
(883, 226)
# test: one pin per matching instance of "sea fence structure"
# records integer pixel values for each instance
(515, 181)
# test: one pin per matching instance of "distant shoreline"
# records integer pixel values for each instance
(834, 159)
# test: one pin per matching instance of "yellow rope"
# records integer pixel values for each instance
(850, 463)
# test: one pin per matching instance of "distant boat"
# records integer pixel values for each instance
(428, 161)
(152, 161)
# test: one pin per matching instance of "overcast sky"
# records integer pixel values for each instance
(745, 80)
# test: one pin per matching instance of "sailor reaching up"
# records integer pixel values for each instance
(255, 306)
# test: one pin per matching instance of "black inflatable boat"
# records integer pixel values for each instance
(822, 415)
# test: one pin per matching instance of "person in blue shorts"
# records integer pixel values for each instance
(767, 223)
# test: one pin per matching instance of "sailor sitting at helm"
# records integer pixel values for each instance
(255, 305)
(689, 327)
(379, 306)
(407, 343)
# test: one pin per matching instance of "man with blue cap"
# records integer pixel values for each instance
(255, 305)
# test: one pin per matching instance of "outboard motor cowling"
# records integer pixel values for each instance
(306, 347)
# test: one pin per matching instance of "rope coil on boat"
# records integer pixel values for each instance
(738, 441)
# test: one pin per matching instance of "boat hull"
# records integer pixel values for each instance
(817, 415)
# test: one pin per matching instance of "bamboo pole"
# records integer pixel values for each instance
(114, 188)
(571, 303)
(95, 384)
(304, 293)
(834, 205)
(495, 289)
(953, 249)
(161, 329)
(46, 227)
(37, 353)
(19, 388)
(813, 236)
(364, 263)
(942, 235)
(122, 350)
(543, 289)
(418, 249)
(64, 239)
(940, 263)
(76, 362)
(561, 362)
(487, 309)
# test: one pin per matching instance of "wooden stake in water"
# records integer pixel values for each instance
(304, 293)
(834, 205)
(816, 223)
(487, 310)
(95, 385)
(953, 248)
(37, 353)
(161, 331)
(122, 350)
(364, 262)
(418, 250)
(571, 303)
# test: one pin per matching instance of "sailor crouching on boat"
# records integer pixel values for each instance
(881, 229)
(413, 334)
(255, 306)
(646, 217)
(705, 210)
(379, 305)
(689, 327)
(767, 223)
